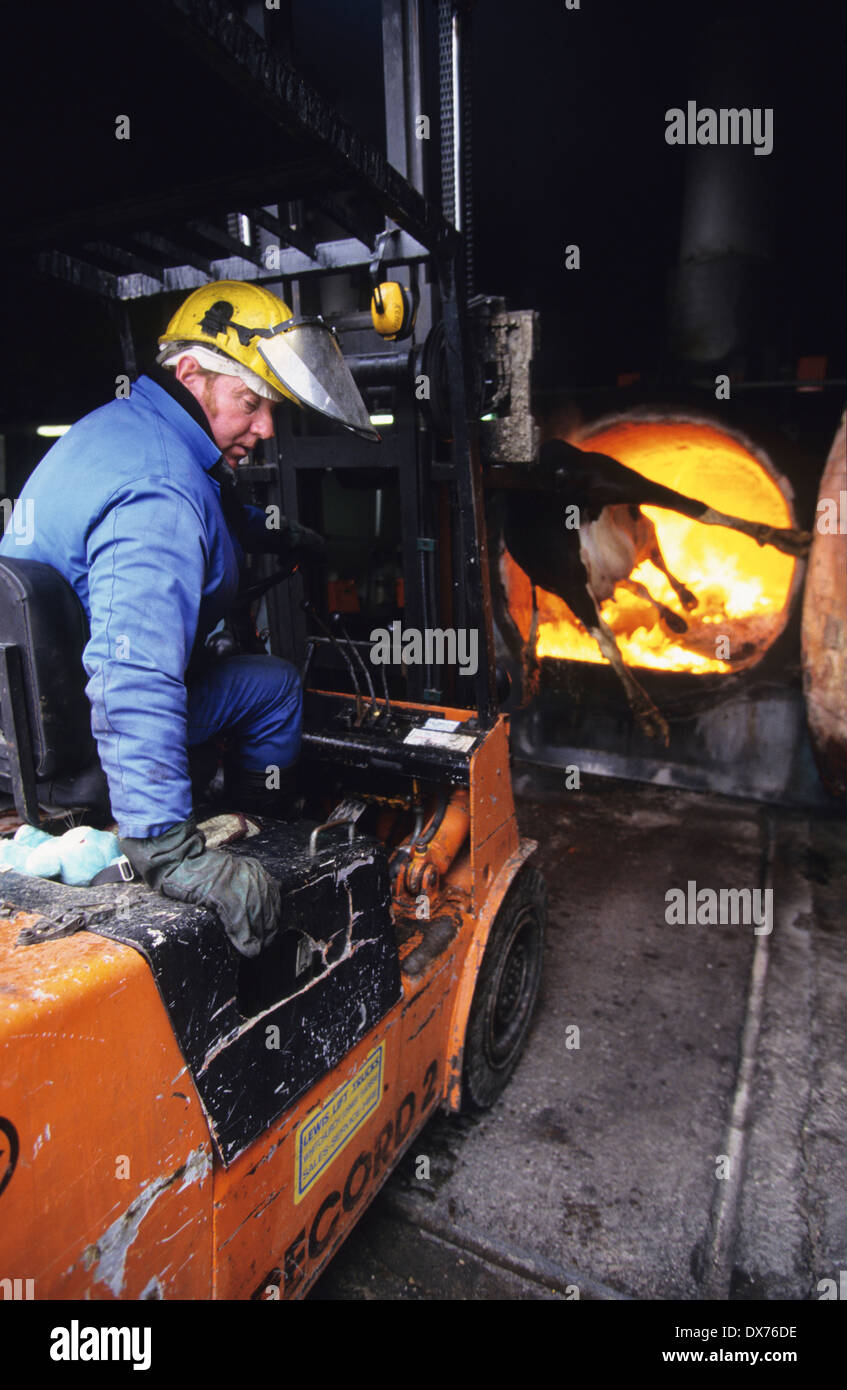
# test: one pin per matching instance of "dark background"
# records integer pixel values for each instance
(569, 147)
(569, 124)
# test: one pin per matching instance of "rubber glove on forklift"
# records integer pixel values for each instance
(178, 864)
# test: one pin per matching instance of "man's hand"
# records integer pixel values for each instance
(296, 542)
(178, 864)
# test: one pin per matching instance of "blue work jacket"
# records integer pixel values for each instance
(123, 506)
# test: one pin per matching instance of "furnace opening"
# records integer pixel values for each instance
(742, 589)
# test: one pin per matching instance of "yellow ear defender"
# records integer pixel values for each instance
(394, 308)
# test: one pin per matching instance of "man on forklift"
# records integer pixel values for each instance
(135, 507)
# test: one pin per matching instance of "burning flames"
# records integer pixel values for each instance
(741, 588)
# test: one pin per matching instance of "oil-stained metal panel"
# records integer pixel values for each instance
(109, 1195)
(256, 1033)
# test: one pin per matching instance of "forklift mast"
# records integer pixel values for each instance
(444, 563)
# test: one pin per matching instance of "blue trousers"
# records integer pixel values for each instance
(256, 702)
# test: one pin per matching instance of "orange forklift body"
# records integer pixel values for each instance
(110, 1184)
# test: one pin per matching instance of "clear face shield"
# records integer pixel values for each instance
(304, 354)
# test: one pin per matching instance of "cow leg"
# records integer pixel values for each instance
(650, 719)
(673, 620)
(531, 666)
(572, 586)
(685, 596)
(786, 539)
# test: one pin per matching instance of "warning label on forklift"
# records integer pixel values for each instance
(437, 738)
(324, 1135)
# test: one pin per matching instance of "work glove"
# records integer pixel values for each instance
(178, 864)
(294, 542)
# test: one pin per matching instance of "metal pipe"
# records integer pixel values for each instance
(415, 171)
(457, 123)
(378, 368)
(402, 84)
(722, 290)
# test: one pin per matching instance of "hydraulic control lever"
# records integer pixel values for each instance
(249, 595)
(239, 632)
(336, 618)
(311, 612)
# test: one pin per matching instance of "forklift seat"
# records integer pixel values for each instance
(47, 750)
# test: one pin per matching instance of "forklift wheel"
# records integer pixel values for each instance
(506, 990)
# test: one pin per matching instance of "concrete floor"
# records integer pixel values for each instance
(703, 1050)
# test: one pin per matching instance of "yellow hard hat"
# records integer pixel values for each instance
(298, 356)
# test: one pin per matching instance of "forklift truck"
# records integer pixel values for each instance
(178, 1121)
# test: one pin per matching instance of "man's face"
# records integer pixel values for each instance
(238, 417)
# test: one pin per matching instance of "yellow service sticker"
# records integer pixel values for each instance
(322, 1137)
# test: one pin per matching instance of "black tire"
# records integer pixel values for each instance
(506, 991)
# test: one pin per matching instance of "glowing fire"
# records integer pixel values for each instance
(741, 587)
